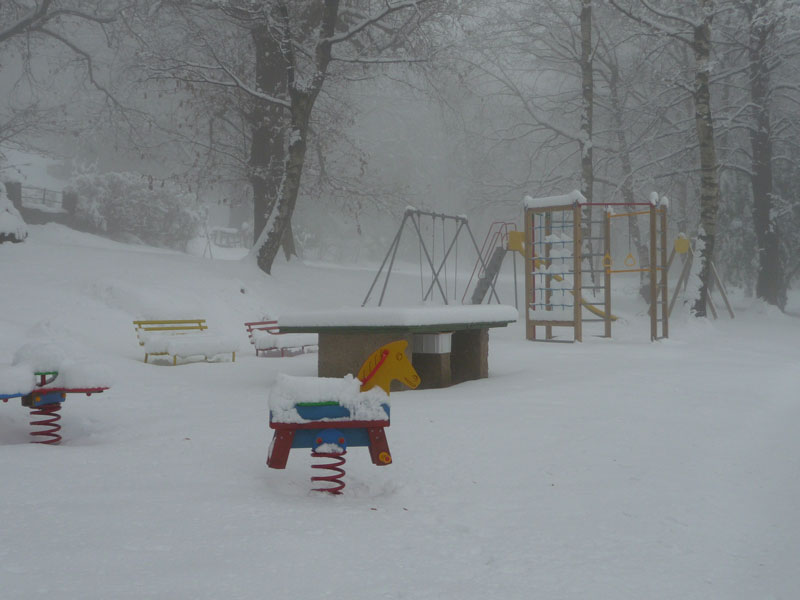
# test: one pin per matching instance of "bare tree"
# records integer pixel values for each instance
(54, 60)
(695, 32)
(292, 45)
(766, 43)
(60, 21)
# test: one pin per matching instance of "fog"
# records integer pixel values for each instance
(291, 122)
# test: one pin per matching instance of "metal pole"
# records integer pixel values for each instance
(653, 283)
(576, 276)
(444, 260)
(516, 293)
(722, 291)
(480, 258)
(529, 264)
(607, 271)
(393, 247)
(665, 271)
(428, 257)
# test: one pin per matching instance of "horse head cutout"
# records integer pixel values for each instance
(386, 364)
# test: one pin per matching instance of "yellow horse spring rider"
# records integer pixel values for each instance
(329, 414)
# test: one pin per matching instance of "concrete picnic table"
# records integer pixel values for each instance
(447, 344)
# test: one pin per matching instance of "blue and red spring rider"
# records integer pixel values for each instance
(330, 414)
(43, 385)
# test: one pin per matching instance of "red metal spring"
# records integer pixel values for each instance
(336, 478)
(49, 423)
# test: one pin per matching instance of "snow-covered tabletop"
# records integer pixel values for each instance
(422, 318)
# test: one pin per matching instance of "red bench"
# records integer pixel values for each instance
(268, 340)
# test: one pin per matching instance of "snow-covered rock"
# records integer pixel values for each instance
(12, 226)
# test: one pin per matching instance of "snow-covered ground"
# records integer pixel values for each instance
(612, 469)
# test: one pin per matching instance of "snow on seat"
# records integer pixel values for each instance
(15, 381)
(182, 338)
(268, 339)
(264, 341)
(204, 344)
(292, 400)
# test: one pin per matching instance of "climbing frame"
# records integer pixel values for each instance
(563, 243)
(553, 269)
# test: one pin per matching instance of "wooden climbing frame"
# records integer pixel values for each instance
(560, 255)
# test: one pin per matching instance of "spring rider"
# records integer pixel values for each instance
(328, 414)
(44, 396)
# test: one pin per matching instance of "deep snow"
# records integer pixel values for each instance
(611, 469)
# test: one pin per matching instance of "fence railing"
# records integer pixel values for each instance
(36, 197)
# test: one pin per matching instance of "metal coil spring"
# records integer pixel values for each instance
(49, 424)
(336, 478)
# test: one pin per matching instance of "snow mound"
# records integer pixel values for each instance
(12, 226)
(42, 357)
(16, 380)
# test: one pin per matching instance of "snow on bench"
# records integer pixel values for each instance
(267, 338)
(182, 338)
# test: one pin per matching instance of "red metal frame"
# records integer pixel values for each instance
(47, 390)
(273, 328)
(284, 436)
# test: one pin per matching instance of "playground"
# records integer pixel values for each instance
(613, 468)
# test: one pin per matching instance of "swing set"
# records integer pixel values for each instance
(422, 222)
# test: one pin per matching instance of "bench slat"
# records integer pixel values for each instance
(178, 328)
(178, 323)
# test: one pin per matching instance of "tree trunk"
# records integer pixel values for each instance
(287, 242)
(301, 102)
(271, 238)
(587, 118)
(770, 284)
(269, 124)
(709, 182)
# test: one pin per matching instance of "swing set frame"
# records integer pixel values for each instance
(415, 216)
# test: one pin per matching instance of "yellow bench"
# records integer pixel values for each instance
(181, 338)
